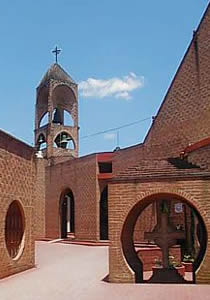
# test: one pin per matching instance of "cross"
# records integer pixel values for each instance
(56, 51)
(164, 236)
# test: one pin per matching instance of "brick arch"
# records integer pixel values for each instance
(67, 97)
(41, 117)
(142, 201)
(172, 191)
(72, 88)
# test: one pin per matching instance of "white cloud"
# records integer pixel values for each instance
(113, 87)
(110, 136)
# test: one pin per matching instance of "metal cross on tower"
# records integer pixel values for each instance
(56, 51)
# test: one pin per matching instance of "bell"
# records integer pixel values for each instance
(58, 116)
(65, 138)
(41, 139)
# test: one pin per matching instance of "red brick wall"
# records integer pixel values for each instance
(17, 176)
(39, 211)
(201, 157)
(79, 175)
(126, 157)
(145, 222)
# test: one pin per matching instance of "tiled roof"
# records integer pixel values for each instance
(56, 72)
(165, 168)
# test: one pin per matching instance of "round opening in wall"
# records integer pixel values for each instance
(14, 230)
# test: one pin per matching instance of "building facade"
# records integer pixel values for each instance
(54, 194)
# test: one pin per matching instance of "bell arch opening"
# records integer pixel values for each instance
(44, 120)
(67, 214)
(68, 120)
(62, 117)
(193, 243)
(64, 140)
(14, 230)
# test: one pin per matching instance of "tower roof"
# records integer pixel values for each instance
(56, 72)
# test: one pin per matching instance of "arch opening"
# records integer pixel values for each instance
(67, 214)
(14, 230)
(44, 120)
(189, 220)
(63, 97)
(68, 120)
(104, 214)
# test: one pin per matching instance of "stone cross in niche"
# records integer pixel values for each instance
(164, 235)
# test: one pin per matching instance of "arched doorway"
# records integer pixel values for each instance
(104, 214)
(67, 214)
(14, 229)
(199, 232)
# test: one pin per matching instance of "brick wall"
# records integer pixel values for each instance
(39, 205)
(126, 157)
(79, 175)
(201, 157)
(17, 174)
(145, 222)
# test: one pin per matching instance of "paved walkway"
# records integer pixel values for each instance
(72, 272)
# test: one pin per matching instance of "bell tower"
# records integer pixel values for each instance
(56, 115)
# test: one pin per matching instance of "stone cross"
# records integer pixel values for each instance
(164, 236)
(56, 51)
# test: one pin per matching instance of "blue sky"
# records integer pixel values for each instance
(123, 54)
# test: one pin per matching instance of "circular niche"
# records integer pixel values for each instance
(14, 230)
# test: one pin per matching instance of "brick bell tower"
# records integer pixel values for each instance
(56, 115)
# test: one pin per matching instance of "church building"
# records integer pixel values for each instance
(153, 194)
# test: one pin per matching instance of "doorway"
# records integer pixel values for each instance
(67, 214)
(104, 214)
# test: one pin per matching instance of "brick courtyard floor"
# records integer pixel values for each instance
(75, 272)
